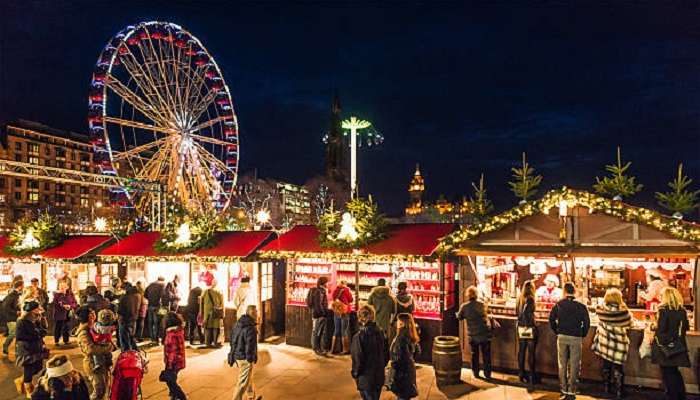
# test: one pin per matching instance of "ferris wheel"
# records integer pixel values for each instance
(160, 111)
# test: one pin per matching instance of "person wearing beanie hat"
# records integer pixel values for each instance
(30, 350)
(61, 382)
(96, 356)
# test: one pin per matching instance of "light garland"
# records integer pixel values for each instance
(573, 198)
(343, 257)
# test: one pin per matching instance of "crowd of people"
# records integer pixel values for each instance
(570, 321)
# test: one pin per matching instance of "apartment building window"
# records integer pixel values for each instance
(18, 182)
(60, 153)
(60, 164)
(2, 219)
(47, 186)
(84, 190)
(61, 199)
(3, 198)
(2, 183)
(84, 202)
(72, 189)
(34, 160)
(47, 199)
(33, 148)
(47, 150)
(85, 157)
(18, 195)
(18, 146)
(33, 197)
(33, 185)
(60, 187)
(18, 157)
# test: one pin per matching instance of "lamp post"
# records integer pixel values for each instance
(354, 124)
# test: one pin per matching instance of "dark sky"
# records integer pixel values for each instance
(460, 90)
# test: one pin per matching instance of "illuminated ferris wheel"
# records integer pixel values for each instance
(160, 111)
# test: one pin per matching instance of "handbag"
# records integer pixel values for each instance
(162, 311)
(217, 312)
(675, 346)
(167, 375)
(389, 376)
(526, 332)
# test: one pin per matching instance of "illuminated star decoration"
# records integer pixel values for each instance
(262, 217)
(184, 236)
(100, 224)
(348, 232)
(29, 241)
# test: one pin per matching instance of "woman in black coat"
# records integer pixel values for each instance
(30, 350)
(527, 346)
(402, 363)
(474, 312)
(191, 313)
(671, 327)
(369, 354)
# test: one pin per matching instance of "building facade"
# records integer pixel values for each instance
(295, 203)
(36, 144)
(442, 210)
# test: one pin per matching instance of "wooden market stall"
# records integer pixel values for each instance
(406, 254)
(228, 261)
(596, 244)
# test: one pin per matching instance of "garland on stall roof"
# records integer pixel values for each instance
(595, 203)
(34, 235)
(359, 225)
(186, 232)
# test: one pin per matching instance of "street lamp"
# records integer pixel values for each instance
(354, 124)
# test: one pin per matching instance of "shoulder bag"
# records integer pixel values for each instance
(524, 332)
(675, 346)
(217, 312)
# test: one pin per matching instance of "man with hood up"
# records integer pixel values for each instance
(384, 304)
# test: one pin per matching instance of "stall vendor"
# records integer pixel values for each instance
(550, 292)
(652, 295)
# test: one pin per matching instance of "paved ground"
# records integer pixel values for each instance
(290, 372)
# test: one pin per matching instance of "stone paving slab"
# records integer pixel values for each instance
(290, 372)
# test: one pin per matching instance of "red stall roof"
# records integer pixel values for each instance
(402, 239)
(228, 244)
(71, 248)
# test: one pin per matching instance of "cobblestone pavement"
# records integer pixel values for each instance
(290, 372)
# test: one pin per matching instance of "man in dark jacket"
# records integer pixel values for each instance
(244, 352)
(317, 300)
(191, 312)
(370, 353)
(10, 312)
(474, 312)
(570, 322)
(171, 297)
(128, 311)
(154, 293)
(43, 297)
(94, 299)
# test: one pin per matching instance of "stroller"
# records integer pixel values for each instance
(128, 373)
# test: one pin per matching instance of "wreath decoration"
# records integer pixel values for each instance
(186, 232)
(33, 235)
(359, 225)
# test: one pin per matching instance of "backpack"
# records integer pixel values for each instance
(310, 298)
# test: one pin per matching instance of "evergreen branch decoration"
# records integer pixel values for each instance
(369, 224)
(679, 200)
(186, 231)
(31, 236)
(618, 184)
(526, 182)
(479, 205)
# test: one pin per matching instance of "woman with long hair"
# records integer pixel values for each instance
(611, 342)
(527, 333)
(403, 365)
(671, 327)
(30, 350)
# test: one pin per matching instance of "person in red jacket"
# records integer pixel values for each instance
(342, 305)
(174, 357)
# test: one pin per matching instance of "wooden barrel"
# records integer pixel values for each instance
(447, 360)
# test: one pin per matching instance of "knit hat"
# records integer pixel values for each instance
(58, 366)
(105, 317)
(30, 305)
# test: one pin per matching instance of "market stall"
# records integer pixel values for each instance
(406, 254)
(225, 265)
(595, 243)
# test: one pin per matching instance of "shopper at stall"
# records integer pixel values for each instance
(194, 330)
(97, 357)
(527, 334)
(154, 293)
(171, 297)
(611, 342)
(94, 299)
(143, 312)
(64, 304)
(474, 312)
(29, 293)
(670, 349)
(404, 300)
(242, 297)
(384, 304)
(128, 311)
(370, 354)
(550, 292)
(652, 296)
(10, 312)
(317, 301)
(570, 321)
(403, 366)
(341, 306)
(174, 354)
(61, 382)
(30, 351)
(244, 352)
(41, 294)
(212, 312)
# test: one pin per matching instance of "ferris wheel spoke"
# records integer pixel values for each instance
(136, 151)
(145, 82)
(213, 161)
(207, 124)
(132, 98)
(209, 140)
(157, 58)
(200, 107)
(140, 125)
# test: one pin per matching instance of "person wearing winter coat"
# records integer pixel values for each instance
(384, 305)
(143, 312)
(10, 312)
(403, 365)
(171, 297)
(42, 296)
(404, 300)
(211, 310)
(671, 327)
(97, 357)
(30, 351)
(570, 321)
(474, 312)
(154, 293)
(527, 340)
(191, 312)
(244, 352)
(94, 299)
(369, 353)
(242, 297)
(611, 342)
(341, 306)
(63, 303)
(317, 301)
(128, 311)
(61, 382)
(174, 353)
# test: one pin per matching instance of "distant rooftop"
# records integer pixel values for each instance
(41, 128)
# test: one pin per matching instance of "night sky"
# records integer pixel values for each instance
(458, 90)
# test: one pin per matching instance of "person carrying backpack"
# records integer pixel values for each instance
(317, 301)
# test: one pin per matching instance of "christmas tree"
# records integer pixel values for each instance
(617, 184)
(479, 205)
(526, 182)
(679, 200)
